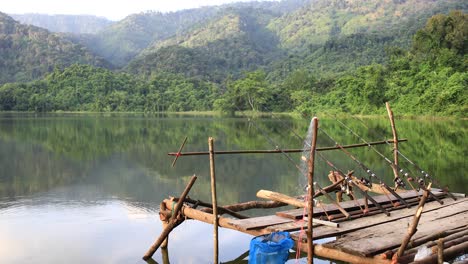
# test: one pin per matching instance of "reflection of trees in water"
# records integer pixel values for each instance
(127, 156)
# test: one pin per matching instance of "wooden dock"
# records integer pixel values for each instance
(389, 229)
(371, 238)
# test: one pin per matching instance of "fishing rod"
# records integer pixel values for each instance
(350, 182)
(300, 170)
(393, 165)
(369, 172)
(423, 172)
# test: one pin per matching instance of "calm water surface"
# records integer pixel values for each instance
(86, 188)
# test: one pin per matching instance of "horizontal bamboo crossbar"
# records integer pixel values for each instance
(199, 153)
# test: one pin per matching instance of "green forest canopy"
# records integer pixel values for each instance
(430, 77)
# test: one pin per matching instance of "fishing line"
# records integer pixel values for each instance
(423, 172)
(398, 168)
(369, 173)
(349, 180)
(271, 141)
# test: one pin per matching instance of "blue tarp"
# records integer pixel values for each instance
(270, 249)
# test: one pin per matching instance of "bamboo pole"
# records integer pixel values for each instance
(238, 207)
(209, 218)
(310, 192)
(413, 228)
(449, 253)
(221, 210)
(330, 253)
(173, 221)
(178, 152)
(440, 251)
(165, 256)
(222, 152)
(395, 139)
(214, 200)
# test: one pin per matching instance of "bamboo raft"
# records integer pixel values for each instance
(370, 238)
(390, 229)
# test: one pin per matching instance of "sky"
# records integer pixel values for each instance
(111, 9)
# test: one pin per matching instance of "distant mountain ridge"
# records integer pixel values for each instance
(76, 24)
(28, 52)
(235, 41)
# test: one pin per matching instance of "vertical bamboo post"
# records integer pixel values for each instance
(395, 139)
(173, 222)
(310, 194)
(166, 241)
(440, 251)
(213, 198)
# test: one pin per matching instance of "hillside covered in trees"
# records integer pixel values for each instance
(293, 55)
(29, 52)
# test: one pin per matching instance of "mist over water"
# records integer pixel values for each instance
(87, 188)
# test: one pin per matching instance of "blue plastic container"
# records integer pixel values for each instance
(270, 249)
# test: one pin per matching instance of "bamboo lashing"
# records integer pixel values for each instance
(178, 152)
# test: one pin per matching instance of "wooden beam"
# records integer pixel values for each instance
(279, 197)
(222, 152)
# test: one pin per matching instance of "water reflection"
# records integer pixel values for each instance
(86, 188)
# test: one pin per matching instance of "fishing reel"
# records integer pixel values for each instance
(421, 182)
(399, 182)
(366, 182)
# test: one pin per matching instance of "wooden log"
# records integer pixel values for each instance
(221, 209)
(310, 192)
(208, 218)
(279, 197)
(254, 205)
(322, 251)
(449, 253)
(199, 153)
(409, 256)
(214, 200)
(425, 239)
(412, 229)
(447, 236)
(174, 222)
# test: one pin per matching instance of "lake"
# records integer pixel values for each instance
(84, 188)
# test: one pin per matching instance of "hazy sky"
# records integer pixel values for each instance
(112, 9)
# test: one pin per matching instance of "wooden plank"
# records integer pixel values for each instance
(258, 222)
(290, 226)
(297, 225)
(361, 223)
(377, 239)
(297, 213)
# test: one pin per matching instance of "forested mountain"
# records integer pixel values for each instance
(328, 55)
(125, 39)
(235, 41)
(329, 38)
(322, 20)
(122, 41)
(28, 52)
(76, 24)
